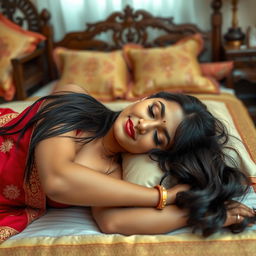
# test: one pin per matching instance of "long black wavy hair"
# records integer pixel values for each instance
(196, 156)
(64, 112)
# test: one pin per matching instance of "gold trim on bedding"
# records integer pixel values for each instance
(239, 114)
(142, 245)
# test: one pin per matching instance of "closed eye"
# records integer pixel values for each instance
(156, 139)
(150, 111)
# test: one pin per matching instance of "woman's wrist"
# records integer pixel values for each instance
(171, 196)
(162, 197)
(172, 192)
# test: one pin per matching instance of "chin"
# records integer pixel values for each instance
(133, 149)
(125, 146)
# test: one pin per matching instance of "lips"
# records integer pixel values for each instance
(129, 128)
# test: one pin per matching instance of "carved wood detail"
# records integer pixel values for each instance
(23, 13)
(128, 26)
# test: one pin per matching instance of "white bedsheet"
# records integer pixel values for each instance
(48, 88)
(75, 221)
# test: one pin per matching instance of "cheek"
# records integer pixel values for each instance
(145, 141)
(142, 145)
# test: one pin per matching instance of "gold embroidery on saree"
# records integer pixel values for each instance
(33, 214)
(6, 146)
(35, 198)
(11, 192)
(6, 232)
(6, 118)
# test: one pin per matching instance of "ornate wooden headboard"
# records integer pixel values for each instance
(139, 26)
(129, 26)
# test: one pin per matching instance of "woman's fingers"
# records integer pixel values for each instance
(233, 219)
(234, 205)
(236, 212)
(246, 212)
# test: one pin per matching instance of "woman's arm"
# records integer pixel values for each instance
(144, 220)
(67, 182)
(69, 88)
(130, 221)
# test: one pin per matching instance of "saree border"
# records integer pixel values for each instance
(6, 232)
(4, 119)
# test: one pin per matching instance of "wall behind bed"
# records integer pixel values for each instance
(72, 15)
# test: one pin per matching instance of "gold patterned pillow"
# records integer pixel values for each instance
(14, 42)
(174, 68)
(103, 75)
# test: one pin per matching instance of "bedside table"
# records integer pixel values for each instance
(244, 76)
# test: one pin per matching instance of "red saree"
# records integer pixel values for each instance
(20, 202)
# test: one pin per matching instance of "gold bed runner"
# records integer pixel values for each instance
(240, 117)
(137, 245)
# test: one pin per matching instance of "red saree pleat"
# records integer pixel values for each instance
(20, 202)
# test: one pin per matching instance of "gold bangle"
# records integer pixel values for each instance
(162, 197)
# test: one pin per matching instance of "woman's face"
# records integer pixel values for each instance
(147, 124)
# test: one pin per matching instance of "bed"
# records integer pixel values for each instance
(72, 231)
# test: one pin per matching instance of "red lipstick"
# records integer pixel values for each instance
(129, 128)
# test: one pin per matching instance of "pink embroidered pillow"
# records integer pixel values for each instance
(14, 42)
(174, 68)
(103, 75)
(217, 70)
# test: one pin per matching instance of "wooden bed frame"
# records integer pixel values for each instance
(128, 26)
(29, 71)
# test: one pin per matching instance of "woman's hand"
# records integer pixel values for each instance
(172, 192)
(236, 212)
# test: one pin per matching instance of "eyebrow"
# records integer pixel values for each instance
(162, 108)
(163, 115)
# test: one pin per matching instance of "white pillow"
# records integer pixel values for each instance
(141, 170)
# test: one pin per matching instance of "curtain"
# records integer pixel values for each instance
(72, 15)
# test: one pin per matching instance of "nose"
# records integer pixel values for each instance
(145, 126)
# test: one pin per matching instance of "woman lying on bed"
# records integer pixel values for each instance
(65, 150)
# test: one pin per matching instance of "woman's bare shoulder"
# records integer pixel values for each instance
(65, 89)
(70, 88)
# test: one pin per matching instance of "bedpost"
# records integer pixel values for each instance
(216, 22)
(47, 30)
